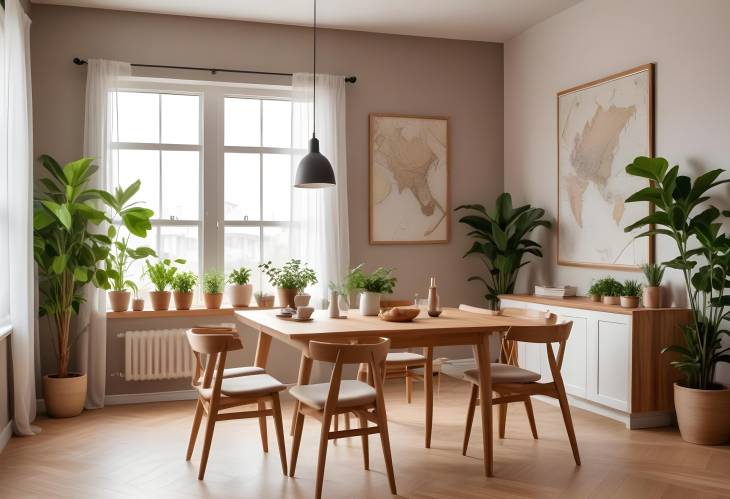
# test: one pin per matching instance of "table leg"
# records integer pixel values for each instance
(481, 354)
(305, 371)
(428, 390)
(262, 356)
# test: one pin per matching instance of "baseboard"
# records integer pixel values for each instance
(635, 421)
(5, 434)
(144, 398)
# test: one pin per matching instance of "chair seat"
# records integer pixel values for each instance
(504, 373)
(352, 393)
(255, 385)
(234, 372)
(404, 357)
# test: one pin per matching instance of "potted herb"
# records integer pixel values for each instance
(292, 278)
(213, 284)
(630, 293)
(68, 254)
(137, 222)
(264, 300)
(501, 242)
(652, 295)
(370, 286)
(594, 292)
(683, 214)
(610, 291)
(137, 302)
(160, 275)
(183, 284)
(241, 290)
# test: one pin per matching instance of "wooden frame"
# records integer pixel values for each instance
(446, 208)
(650, 131)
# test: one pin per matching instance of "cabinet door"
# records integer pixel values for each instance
(609, 361)
(574, 368)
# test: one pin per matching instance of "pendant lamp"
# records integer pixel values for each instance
(314, 170)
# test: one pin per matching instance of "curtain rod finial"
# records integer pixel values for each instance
(79, 62)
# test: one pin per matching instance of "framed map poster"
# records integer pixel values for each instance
(409, 179)
(602, 127)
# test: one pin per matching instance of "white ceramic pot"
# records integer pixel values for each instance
(369, 303)
(241, 295)
(302, 300)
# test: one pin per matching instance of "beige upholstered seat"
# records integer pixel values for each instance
(352, 393)
(397, 357)
(254, 385)
(234, 372)
(503, 374)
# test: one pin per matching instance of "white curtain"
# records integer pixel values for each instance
(16, 160)
(319, 231)
(102, 78)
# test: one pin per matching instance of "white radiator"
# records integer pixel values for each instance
(157, 354)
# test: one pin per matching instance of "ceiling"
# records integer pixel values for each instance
(482, 20)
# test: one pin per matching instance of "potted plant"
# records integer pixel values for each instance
(594, 292)
(241, 290)
(610, 291)
(137, 302)
(683, 215)
(213, 284)
(264, 300)
(292, 278)
(161, 275)
(121, 256)
(652, 294)
(371, 287)
(500, 239)
(68, 254)
(182, 289)
(630, 293)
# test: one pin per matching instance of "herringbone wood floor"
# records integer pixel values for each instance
(138, 451)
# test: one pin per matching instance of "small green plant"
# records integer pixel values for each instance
(292, 275)
(380, 281)
(609, 286)
(239, 277)
(654, 273)
(184, 282)
(261, 294)
(595, 289)
(631, 288)
(161, 273)
(213, 282)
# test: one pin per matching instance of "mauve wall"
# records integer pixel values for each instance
(688, 40)
(398, 74)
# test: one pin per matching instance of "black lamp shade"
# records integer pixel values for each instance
(315, 170)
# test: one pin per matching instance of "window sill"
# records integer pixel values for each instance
(193, 312)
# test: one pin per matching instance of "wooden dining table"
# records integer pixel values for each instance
(453, 327)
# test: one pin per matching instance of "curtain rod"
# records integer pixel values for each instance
(81, 62)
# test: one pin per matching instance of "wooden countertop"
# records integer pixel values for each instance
(582, 302)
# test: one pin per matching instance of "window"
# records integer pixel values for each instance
(215, 164)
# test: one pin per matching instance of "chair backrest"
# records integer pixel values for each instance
(213, 344)
(542, 316)
(544, 333)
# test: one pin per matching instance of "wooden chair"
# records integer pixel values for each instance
(514, 384)
(324, 401)
(217, 393)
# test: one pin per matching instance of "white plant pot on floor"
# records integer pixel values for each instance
(369, 303)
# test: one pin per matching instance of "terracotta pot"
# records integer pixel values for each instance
(265, 301)
(652, 297)
(596, 298)
(213, 300)
(286, 297)
(702, 414)
(160, 300)
(302, 300)
(369, 303)
(241, 295)
(64, 397)
(183, 300)
(629, 301)
(138, 304)
(611, 300)
(119, 300)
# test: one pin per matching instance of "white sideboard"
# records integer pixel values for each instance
(613, 365)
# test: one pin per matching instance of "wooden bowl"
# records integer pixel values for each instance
(399, 314)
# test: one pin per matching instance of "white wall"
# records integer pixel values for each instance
(689, 41)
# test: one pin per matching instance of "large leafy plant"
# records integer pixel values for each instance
(500, 240)
(292, 275)
(683, 215)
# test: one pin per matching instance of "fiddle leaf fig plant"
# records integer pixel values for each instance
(683, 215)
(501, 242)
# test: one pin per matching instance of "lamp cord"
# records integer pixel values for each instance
(314, 79)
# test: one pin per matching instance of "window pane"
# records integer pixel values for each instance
(180, 119)
(277, 123)
(180, 242)
(131, 165)
(180, 179)
(242, 125)
(241, 249)
(138, 117)
(242, 187)
(276, 248)
(277, 186)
